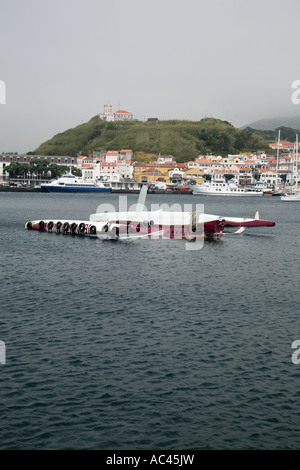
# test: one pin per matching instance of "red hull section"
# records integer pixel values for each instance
(250, 223)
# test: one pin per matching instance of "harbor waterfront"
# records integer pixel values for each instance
(143, 344)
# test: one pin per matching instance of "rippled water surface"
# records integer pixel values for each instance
(145, 345)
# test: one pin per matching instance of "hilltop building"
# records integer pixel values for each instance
(123, 115)
(107, 115)
(120, 115)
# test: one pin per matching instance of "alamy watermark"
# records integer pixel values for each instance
(296, 93)
(2, 353)
(161, 221)
(296, 354)
(2, 92)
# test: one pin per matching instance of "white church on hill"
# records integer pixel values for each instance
(120, 115)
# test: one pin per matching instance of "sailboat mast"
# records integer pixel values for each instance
(276, 182)
(293, 167)
(296, 161)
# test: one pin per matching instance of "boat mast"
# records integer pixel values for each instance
(296, 161)
(293, 164)
(276, 182)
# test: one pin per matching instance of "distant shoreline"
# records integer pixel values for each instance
(12, 189)
(9, 189)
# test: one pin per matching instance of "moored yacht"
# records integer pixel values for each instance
(222, 188)
(291, 196)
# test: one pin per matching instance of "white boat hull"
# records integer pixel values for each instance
(290, 198)
(237, 193)
(72, 184)
(222, 188)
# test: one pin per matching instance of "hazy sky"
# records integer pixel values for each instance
(62, 60)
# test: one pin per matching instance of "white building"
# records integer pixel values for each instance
(125, 169)
(115, 155)
(7, 158)
(112, 171)
(107, 115)
(269, 177)
(120, 115)
(112, 156)
(176, 173)
(166, 159)
(125, 154)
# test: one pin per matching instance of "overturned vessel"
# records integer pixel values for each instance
(150, 224)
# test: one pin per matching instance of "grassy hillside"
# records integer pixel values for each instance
(183, 139)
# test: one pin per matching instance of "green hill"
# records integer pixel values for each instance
(183, 139)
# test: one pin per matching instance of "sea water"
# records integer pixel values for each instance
(144, 344)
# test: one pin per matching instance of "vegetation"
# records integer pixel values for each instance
(185, 140)
(39, 167)
(228, 176)
(286, 133)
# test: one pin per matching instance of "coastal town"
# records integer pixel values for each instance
(124, 170)
(120, 168)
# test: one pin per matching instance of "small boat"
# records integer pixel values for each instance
(223, 188)
(288, 197)
(260, 186)
(74, 184)
(178, 187)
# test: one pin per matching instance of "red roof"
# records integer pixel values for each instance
(244, 167)
(121, 111)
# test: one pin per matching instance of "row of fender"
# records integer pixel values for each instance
(112, 230)
(63, 227)
(84, 228)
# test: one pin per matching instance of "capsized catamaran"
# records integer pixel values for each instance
(149, 224)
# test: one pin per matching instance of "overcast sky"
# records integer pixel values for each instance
(62, 60)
